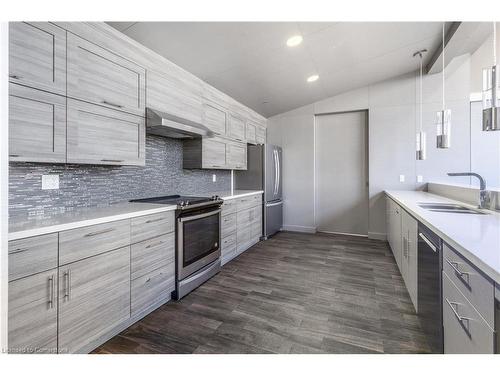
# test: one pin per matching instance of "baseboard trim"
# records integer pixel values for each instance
(377, 236)
(343, 233)
(299, 228)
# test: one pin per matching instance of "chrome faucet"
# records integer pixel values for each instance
(484, 195)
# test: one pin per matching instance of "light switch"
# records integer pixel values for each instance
(401, 178)
(214, 178)
(50, 181)
(420, 178)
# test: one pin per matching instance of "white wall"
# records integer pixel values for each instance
(393, 121)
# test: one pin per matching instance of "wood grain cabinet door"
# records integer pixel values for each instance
(236, 128)
(260, 136)
(37, 125)
(251, 133)
(214, 153)
(94, 298)
(176, 94)
(99, 135)
(32, 316)
(37, 56)
(215, 118)
(99, 76)
(237, 155)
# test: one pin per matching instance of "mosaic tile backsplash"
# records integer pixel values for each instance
(94, 186)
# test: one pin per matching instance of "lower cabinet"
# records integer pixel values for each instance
(241, 225)
(32, 317)
(94, 297)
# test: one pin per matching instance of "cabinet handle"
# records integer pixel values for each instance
(154, 220)
(428, 242)
(460, 318)
(454, 265)
(216, 166)
(19, 250)
(154, 244)
(67, 286)
(112, 104)
(13, 76)
(14, 155)
(92, 234)
(113, 160)
(51, 292)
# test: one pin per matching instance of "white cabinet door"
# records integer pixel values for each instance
(409, 259)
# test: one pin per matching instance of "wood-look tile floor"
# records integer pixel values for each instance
(295, 293)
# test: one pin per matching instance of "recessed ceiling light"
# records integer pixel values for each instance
(313, 78)
(294, 41)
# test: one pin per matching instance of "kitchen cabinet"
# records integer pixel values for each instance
(102, 77)
(94, 298)
(32, 313)
(37, 56)
(176, 94)
(236, 155)
(236, 127)
(409, 262)
(251, 133)
(394, 234)
(37, 125)
(99, 135)
(156, 286)
(215, 118)
(260, 136)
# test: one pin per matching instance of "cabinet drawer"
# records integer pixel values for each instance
(37, 56)
(146, 227)
(228, 248)
(478, 289)
(152, 287)
(102, 77)
(76, 244)
(229, 207)
(465, 331)
(37, 125)
(151, 254)
(99, 135)
(32, 316)
(31, 255)
(228, 224)
(249, 202)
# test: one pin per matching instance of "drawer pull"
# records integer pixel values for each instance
(67, 285)
(92, 234)
(216, 166)
(112, 104)
(154, 244)
(13, 76)
(112, 160)
(454, 265)
(461, 319)
(154, 220)
(14, 155)
(148, 279)
(51, 292)
(428, 242)
(19, 250)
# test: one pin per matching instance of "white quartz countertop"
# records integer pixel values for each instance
(29, 227)
(35, 226)
(476, 237)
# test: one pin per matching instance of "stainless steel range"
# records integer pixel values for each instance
(198, 234)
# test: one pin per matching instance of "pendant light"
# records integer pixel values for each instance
(443, 117)
(421, 143)
(491, 91)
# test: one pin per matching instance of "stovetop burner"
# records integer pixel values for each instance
(182, 201)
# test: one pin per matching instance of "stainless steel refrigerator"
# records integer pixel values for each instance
(264, 172)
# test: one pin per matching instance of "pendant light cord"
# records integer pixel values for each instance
(443, 70)
(421, 89)
(494, 43)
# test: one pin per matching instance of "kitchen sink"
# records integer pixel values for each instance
(450, 207)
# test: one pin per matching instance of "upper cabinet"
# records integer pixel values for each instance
(37, 56)
(215, 118)
(260, 136)
(176, 94)
(251, 132)
(98, 135)
(236, 127)
(99, 76)
(37, 125)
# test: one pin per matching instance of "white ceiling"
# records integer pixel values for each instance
(251, 62)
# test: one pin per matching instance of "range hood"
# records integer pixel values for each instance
(167, 125)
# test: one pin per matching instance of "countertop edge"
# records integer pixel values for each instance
(85, 223)
(484, 267)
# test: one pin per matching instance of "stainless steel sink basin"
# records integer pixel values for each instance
(450, 207)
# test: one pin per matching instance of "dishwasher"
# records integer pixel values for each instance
(430, 305)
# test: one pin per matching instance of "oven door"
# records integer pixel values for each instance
(198, 241)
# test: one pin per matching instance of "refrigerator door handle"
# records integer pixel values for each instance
(275, 156)
(274, 204)
(279, 172)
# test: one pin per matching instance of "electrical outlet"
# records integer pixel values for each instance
(50, 181)
(420, 178)
(401, 178)
(214, 178)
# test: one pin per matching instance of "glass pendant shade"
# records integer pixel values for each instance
(421, 154)
(443, 122)
(491, 98)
